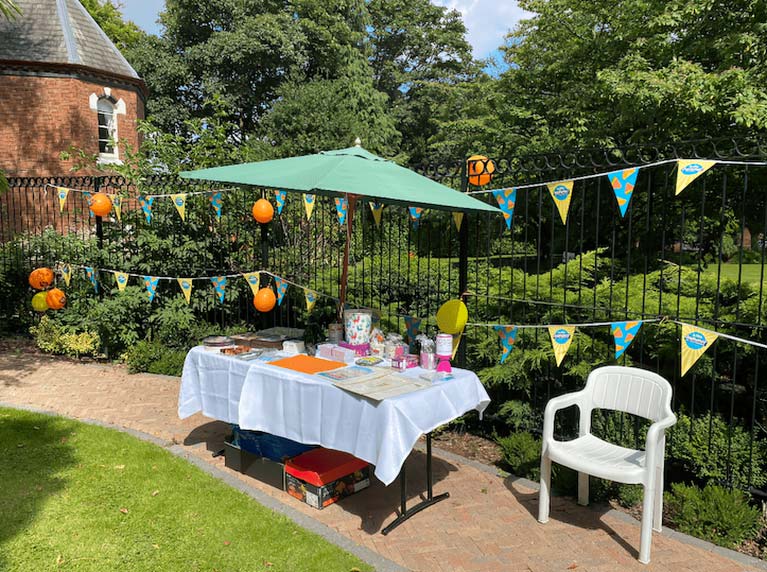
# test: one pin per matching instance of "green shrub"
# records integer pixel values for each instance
(519, 415)
(54, 338)
(522, 454)
(709, 460)
(629, 495)
(154, 357)
(716, 514)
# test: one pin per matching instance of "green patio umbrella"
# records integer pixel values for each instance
(353, 173)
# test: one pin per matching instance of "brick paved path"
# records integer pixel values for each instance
(488, 523)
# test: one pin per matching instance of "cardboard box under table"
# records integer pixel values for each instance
(322, 476)
(265, 470)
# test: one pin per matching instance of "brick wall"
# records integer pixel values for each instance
(42, 116)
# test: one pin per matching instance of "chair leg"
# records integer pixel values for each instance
(647, 519)
(583, 489)
(545, 493)
(657, 512)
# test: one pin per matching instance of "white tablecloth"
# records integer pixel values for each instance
(307, 409)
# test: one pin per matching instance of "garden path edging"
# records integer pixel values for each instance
(380, 563)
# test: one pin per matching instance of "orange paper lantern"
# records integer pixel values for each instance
(264, 300)
(263, 211)
(100, 204)
(56, 299)
(480, 169)
(41, 278)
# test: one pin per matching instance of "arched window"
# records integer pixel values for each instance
(107, 127)
(107, 108)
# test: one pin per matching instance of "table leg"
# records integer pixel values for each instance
(406, 513)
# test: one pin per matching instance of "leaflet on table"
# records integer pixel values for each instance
(374, 383)
(352, 372)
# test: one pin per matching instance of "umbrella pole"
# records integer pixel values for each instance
(351, 201)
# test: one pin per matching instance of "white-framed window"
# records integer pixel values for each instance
(107, 109)
(107, 119)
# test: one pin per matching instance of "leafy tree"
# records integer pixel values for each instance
(328, 114)
(640, 70)
(414, 42)
(170, 104)
(331, 30)
(420, 59)
(242, 51)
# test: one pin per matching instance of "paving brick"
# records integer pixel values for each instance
(471, 531)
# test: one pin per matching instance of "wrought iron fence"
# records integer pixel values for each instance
(698, 257)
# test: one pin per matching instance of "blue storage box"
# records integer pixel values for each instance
(267, 445)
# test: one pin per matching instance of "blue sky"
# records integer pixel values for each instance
(487, 20)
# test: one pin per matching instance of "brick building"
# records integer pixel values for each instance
(62, 83)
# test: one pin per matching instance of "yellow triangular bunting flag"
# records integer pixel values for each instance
(377, 209)
(309, 205)
(66, 273)
(688, 170)
(121, 278)
(561, 338)
(186, 287)
(311, 299)
(458, 219)
(562, 193)
(695, 342)
(117, 202)
(179, 201)
(62, 193)
(253, 281)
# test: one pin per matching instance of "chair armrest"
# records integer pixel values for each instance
(555, 405)
(656, 432)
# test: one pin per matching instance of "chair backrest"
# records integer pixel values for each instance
(629, 389)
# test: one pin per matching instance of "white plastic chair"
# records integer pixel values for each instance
(627, 389)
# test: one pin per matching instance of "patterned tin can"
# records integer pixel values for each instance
(357, 324)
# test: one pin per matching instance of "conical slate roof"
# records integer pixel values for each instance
(59, 32)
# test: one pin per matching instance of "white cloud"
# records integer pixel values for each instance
(487, 21)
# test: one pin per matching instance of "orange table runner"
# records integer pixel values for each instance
(307, 364)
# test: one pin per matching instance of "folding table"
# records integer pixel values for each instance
(308, 409)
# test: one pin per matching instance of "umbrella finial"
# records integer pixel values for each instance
(358, 142)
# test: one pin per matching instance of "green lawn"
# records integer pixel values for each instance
(78, 497)
(751, 272)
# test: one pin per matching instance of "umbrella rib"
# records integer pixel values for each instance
(326, 175)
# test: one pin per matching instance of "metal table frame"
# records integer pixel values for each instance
(430, 499)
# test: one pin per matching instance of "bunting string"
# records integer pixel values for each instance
(604, 174)
(582, 325)
(149, 195)
(66, 269)
(602, 324)
(695, 340)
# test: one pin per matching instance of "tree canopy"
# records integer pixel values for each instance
(296, 76)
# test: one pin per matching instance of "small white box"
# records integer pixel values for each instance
(293, 347)
(344, 354)
(325, 350)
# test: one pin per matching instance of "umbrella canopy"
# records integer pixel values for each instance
(352, 171)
